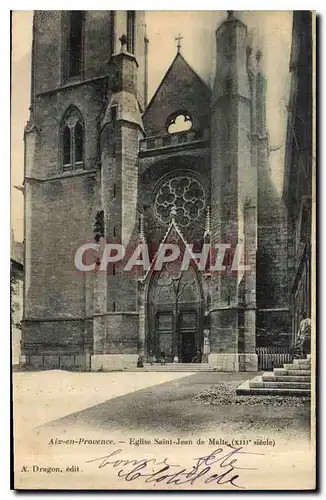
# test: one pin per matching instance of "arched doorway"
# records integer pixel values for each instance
(174, 314)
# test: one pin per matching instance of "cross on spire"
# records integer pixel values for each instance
(178, 39)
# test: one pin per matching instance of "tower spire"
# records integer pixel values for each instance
(207, 231)
(141, 229)
(173, 214)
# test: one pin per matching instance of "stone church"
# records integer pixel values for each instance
(189, 167)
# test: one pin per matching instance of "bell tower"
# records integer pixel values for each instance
(81, 146)
(233, 201)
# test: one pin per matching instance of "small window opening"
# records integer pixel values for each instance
(113, 114)
(227, 88)
(228, 173)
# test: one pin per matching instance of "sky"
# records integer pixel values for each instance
(270, 31)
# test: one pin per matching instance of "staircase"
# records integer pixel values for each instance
(175, 367)
(292, 380)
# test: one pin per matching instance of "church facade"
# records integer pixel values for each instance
(189, 168)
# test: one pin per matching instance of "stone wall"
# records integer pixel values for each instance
(57, 344)
(272, 253)
(48, 112)
(50, 44)
(62, 220)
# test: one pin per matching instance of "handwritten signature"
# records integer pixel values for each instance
(219, 467)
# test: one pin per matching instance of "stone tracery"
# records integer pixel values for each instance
(184, 193)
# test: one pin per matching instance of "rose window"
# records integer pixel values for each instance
(185, 194)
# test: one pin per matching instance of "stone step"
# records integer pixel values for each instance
(259, 382)
(171, 366)
(174, 367)
(302, 362)
(292, 366)
(245, 390)
(295, 373)
(271, 377)
(153, 370)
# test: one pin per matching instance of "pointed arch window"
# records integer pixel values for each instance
(131, 18)
(73, 45)
(72, 141)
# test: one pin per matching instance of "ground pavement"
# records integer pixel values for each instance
(163, 404)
